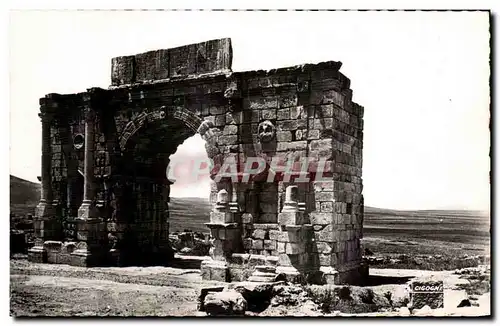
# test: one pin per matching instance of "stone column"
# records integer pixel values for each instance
(45, 208)
(90, 227)
(88, 210)
(44, 212)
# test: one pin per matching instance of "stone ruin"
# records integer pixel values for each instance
(105, 193)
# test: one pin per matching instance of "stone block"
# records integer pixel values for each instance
(270, 244)
(320, 218)
(268, 114)
(247, 243)
(52, 246)
(290, 218)
(259, 234)
(214, 56)
(284, 136)
(324, 111)
(263, 103)
(326, 207)
(214, 270)
(239, 274)
(323, 148)
(327, 185)
(37, 254)
(267, 218)
(289, 100)
(323, 247)
(228, 140)
(325, 259)
(327, 234)
(274, 234)
(325, 196)
(122, 70)
(221, 217)
(222, 234)
(258, 244)
(152, 65)
(203, 293)
(281, 247)
(313, 134)
(256, 260)
(283, 114)
(294, 248)
(287, 125)
(286, 260)
(266, 226)
(230, 130)
(238, 258)
(330, 275)
(272, 260)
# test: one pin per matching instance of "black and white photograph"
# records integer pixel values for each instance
(250, 163)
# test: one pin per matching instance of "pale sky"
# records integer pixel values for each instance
(423, 79)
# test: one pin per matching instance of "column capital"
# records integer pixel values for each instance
(46, 116)
(48, 106)
(92, 98)
(93, 94)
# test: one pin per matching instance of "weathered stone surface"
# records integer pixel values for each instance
(122, 70)
(203, 293)
(121, 139)
(225, 303)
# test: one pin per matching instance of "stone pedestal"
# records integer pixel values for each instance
(291, 273)
(45, 211)
(263, 274)
(114, 257)
(215, 270)
(37, 254)
(330, 275)
(227, 239)
(89, 250)
(88, 210)
(46, 227)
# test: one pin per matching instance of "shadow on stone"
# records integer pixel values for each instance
(382, 280)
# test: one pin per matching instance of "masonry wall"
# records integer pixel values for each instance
(162, 98)
(312, 109)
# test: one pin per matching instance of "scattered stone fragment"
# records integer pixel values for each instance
(225, 303)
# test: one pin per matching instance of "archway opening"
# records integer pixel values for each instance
(189, 206)
(145, 200)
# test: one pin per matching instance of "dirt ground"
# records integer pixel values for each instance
(62, 290)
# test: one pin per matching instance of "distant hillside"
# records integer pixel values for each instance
(189, 213)
(24, 196)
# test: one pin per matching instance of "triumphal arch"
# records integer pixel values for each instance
(285, 147)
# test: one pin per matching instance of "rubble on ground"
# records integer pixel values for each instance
(190, 243)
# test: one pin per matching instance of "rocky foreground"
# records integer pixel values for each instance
(61, 290)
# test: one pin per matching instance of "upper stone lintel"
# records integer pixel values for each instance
(194, 59)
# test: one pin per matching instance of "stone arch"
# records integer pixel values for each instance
(190, 119)
(146, 200)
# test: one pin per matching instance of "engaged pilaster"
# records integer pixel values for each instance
(44, 221)
(90, 227)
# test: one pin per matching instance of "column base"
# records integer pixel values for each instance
(44, 210)
(114, 257)
(88, 211)
(214, 270)
(292, 274)
(84, 258)
(37, 254)
(330, 275)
